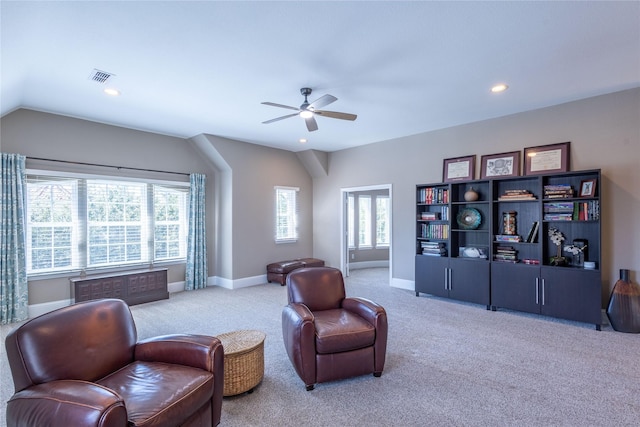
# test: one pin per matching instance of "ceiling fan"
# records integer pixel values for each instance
(309, 111)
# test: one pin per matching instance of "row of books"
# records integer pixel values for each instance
(516, 195)
(572, 211)
(558, 191)
(433, 248)
(433, 195)
(442, 214)
(434, 231)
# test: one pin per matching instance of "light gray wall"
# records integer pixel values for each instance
(254, 172)
(604, 132)
(37, 134)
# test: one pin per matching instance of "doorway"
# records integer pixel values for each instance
(366, 241)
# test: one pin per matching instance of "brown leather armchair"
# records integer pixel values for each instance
(327, 335)
(82, 366)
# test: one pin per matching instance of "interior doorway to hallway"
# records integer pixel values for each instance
(366, 224)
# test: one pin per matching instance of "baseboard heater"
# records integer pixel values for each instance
(134, 287)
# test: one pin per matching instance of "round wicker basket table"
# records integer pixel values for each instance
(243, 360)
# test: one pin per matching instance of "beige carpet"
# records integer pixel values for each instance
(448, 364)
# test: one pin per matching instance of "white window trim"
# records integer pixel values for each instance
(294, 239)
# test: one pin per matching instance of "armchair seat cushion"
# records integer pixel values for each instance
(339, 330)
(184, 391)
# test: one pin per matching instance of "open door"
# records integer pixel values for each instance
(355, 249)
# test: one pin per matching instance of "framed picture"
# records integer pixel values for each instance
(459, 169)
(546, 159)
(588, 188)
(502, 164)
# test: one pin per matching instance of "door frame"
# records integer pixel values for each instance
(344, 224)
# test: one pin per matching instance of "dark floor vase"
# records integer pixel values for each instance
(624, 305)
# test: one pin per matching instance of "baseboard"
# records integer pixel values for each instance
(245, 282)
(36, 310)
(409, 285)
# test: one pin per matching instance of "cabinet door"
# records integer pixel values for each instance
(431, 274)
(572, 293)
(516, 287)
(469, 280)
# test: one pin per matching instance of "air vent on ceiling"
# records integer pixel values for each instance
(100, 76)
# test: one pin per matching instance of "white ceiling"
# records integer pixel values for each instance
(187, 68)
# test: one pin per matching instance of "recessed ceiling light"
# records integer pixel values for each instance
(112, 92)
(302, 140)
(501, 87)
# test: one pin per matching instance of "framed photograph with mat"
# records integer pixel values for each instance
(501, 164)
(459, 169)
(546, 159)
(588, 188)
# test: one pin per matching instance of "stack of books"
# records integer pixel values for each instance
(508, 238)
(516, 195)
(506, 254)
(433, 248)
(429, 216)
(558, 211)
(558, 191)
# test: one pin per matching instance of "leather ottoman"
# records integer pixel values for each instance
(277, 271)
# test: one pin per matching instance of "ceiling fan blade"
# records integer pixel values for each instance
(311, 124)
(322, 101)
(273, 104)
(336, 115)
(279, 118)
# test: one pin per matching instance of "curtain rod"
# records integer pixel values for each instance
(106, 166)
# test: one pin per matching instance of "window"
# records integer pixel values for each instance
(116, 226)
(286, 214)
(78, 223)
(170, 230)
(51, 219)
(382, 221)
(364, 231)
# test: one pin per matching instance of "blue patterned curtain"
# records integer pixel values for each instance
(196, 273)
(13, 264)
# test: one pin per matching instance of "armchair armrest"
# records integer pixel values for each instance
(367, 309)
(74, 403)
(298, 331)
(377, 316)
(198, 351)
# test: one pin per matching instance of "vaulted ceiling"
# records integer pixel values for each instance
(187, 68)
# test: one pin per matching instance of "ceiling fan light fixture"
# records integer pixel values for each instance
(500, 87)
(112, 92)
(306, 114)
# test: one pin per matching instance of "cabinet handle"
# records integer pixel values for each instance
(449, 279)
(445, 279)
(542, 291)
(537, 289)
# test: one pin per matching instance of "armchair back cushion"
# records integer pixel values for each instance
(80, 344)
(319, 288)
